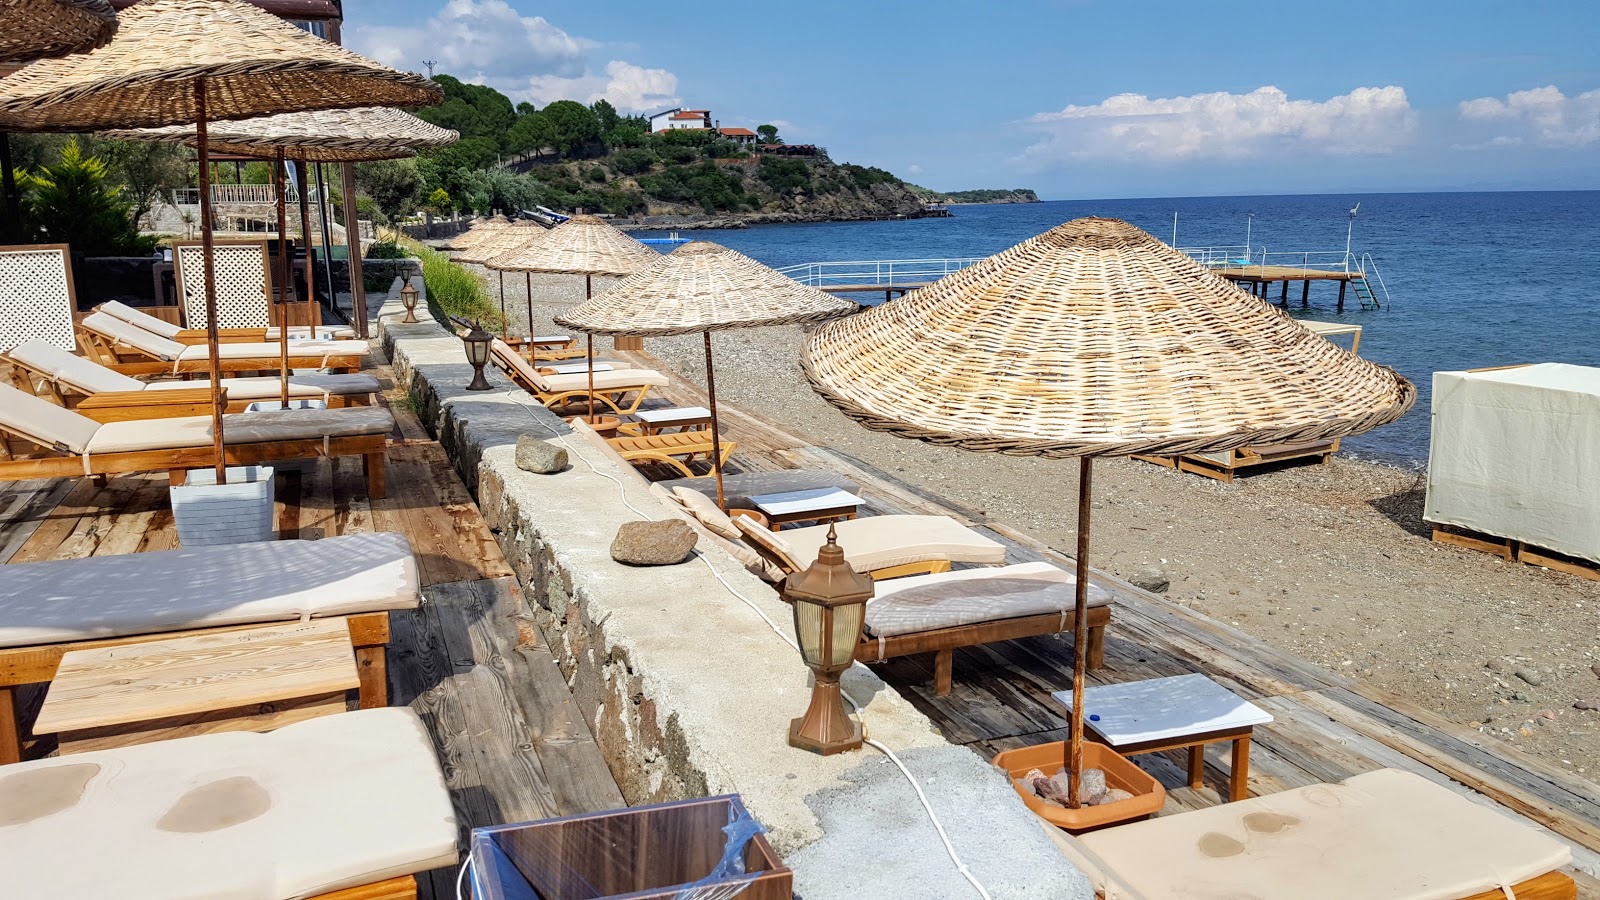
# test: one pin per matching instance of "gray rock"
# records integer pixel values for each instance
(541, 457)
(1595, 670)
(1530, 676)
(1587, 704)
(1091, 787)
(1520, 697)
(1151, 579)
(662, 543)
(1494, 665)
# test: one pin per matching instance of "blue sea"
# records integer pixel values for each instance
(1475, 279)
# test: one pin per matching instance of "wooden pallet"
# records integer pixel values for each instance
(1244, 458)
(1512, 550)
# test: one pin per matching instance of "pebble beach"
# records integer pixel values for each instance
(1332, 563)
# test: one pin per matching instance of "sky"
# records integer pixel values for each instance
(1077, 99)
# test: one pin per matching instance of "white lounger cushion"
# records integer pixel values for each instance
(603, 381)
(44, 422)
(167, 349)
(204, 587)
(1384, 835)
(160, 326)
(89, 377)
(84, 375)
(240, 428)
(973, 596)
(883, 542)
(314, 807)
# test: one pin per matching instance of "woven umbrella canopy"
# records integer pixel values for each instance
(507, 239)
(479, 231)
(362, 134)
(703, 287)
(582, 245)
(39, 29)
(1094, 339)
(180, 61)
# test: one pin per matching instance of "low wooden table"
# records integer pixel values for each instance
(821, 505)
(1183, 711)
(252, 680)
(684, 418)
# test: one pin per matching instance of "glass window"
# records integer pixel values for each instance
(320, 29)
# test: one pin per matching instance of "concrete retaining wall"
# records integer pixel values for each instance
(689, 692)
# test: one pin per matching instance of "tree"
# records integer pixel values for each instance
(769, 134)
(572, 125)
(475, 110)
(394, 185)
(439, 201)
(531, 134)
(72, 202)
(147, 170)
(606, 116)
(511, 192)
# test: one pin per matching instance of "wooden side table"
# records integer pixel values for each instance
(1180, 712)
(821, 505)
(684, 418)
(251, 680)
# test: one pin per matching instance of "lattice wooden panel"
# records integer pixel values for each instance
(35, 296)
(242, 283)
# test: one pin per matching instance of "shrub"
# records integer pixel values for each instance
(784, 175)
(386, 249)
(633, 162)
(453, 291)
(596, 175)
(73, 203)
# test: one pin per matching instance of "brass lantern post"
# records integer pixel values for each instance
(477, 341)
(830, 606)
(408, 299)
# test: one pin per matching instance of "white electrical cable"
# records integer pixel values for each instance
(461, 876)
(516, 397)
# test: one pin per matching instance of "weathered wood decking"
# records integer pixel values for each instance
(1326, 727)
(510, 739)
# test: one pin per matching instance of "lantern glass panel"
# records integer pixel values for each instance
(808, 631)
(847, 621)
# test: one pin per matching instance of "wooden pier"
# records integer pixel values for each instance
(1260, 279)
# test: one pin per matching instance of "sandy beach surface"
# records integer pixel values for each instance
(1332, 563)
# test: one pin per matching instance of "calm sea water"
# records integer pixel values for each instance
(1476, 279)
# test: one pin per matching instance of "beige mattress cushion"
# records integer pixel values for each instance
(314, 351)
(314, 807)
(615, 379)
(882, 542)
(1384, 835)
(241, 428)
(322, 333)
(204, 587)
(974, 596)
(152, 324)
(133, 336)
(772, 542)
(706, 510)
(72, 370)
(42, 421)
(267, 388)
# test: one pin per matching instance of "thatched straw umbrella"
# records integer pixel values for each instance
(181, 61)
(342, 136)
(1094, 339)
(510, 239)
(703, 287)
(40, 29)
(478, 231)
(582, 245)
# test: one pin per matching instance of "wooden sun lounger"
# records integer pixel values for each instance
(342, 807)
(612, 389)
(67, 441)
(983, 606)
(130, 350)
(357, 578)
(667, 449)
(140, 319)
(44, 370)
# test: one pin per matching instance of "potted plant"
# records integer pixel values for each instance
(238, 511)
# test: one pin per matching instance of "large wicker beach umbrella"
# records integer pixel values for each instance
(478, 232)
(40, 29)
(1094, 339)
(506, 241)
(703, 287)
(343, 136)
(582, 245)
(181, 61)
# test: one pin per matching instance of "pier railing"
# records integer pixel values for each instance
(875, 271)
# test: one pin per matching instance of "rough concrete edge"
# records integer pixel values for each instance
(669, 721)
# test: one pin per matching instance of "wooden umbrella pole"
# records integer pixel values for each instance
(312, 318)
(527, 285)
(716, 439)
(588, 291)
(352, 235)
(1080, 632)
(214, 353)
(502, 274)
(283, 297)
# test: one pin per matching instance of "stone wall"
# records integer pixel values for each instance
(689, 692)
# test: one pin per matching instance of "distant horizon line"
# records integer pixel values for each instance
(1359, 193)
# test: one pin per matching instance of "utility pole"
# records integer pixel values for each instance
(430, 64)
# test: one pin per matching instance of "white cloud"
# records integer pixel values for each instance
(527, 57)
(628, 87)
(1221, 125)
(1551, 117)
